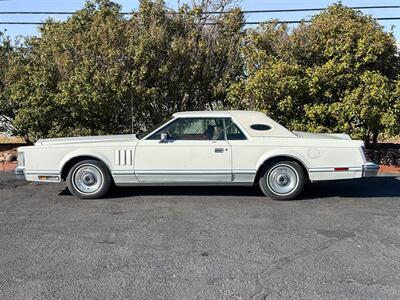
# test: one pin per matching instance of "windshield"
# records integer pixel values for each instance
(146, 132)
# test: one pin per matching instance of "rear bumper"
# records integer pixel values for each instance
(20, 173)
(370, 170)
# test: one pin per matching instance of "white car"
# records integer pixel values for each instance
(198, 148)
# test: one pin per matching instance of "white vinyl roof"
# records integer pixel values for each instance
(245, 120)
(204, 114)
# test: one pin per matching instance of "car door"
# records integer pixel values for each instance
(195, 150)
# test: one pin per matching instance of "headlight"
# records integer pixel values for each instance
(21, 159)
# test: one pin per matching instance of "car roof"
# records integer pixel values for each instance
(203, 114)
(246, 119)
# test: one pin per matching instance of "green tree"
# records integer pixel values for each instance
(99, 72)
(339, 74)
(6, 111)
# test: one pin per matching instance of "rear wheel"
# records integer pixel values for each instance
(89, 179)
(282, 180)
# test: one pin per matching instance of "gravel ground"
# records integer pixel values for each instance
(341, 240)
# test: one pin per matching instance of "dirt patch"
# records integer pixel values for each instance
(8, 167)
(389, 169)
(392, 140)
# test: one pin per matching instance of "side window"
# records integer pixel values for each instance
(233, 132)
(193, 129)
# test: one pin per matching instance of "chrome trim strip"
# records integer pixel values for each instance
(244, 171)
(351, 169)
(118, 173)
(184, 183)
(44, 173)
(182, 172)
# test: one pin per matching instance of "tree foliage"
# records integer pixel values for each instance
(102, 73)
(335, 74)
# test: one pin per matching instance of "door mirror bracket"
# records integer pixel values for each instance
(164, 138)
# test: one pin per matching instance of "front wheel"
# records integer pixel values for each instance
(89, 179)
(282, 180)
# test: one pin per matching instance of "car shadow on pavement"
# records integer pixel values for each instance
(377, 187)
(123, 192)
(374, 187)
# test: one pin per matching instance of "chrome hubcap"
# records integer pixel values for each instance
(282, 179)
(88, 179)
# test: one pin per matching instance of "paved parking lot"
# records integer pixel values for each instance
(342, 240)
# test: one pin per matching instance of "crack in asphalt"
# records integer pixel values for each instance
(281, 263)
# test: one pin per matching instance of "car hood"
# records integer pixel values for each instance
(334, 136)
(87, 139)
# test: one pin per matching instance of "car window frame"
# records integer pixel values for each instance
(244, 132)
(157, 129)
(179, 118)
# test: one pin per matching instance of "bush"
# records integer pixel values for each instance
(335, 74)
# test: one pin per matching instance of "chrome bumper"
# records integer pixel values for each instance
(370, 170)
(20, 173)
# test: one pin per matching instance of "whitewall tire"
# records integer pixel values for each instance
(89, 179)
(282, 180)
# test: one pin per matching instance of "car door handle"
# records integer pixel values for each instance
(219, 150)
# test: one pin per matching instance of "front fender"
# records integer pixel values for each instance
(86, 153)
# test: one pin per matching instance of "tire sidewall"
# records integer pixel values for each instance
(267, 190)
(107, 180)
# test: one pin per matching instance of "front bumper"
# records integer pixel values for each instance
(370, 170)
(20, 173)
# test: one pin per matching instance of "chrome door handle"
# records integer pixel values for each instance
(219, 150)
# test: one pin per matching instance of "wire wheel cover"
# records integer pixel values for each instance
(282, 179)
(87, 179)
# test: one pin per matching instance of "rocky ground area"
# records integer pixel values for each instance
(8, 159)
(8, 156)
(8, 152)
(385, 154)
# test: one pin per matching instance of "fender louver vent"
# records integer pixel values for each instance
(123, 157)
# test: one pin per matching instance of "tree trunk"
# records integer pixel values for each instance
(366, 140)
(375, 138)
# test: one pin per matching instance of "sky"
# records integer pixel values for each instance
(129, 5)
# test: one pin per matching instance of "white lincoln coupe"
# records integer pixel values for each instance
(198, 148)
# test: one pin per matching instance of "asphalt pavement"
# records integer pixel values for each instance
(341, 240)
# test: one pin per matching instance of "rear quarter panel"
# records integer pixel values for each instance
(319, 157)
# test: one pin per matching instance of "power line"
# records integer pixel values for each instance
(245, 23)
(301, 9)
(206, 12)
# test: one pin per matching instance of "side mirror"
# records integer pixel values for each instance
(164, 137)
